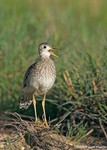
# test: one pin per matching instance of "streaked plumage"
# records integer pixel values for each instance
(39, 77)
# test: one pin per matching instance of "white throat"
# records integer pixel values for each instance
(45, 54)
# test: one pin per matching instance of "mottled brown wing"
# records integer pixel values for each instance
(26, 98)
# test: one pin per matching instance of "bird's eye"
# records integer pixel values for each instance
(44, 47)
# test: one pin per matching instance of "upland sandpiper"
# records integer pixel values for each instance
(38, 79)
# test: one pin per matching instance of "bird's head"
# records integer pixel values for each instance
(45, 50)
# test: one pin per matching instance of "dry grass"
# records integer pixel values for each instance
(20, 134)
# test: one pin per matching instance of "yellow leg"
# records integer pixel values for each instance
(34, 104)
(44, 113)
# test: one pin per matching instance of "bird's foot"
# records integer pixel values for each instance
(46, 124)
(43, 124)
(38, 122)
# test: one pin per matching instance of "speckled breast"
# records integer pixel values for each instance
(45, 78)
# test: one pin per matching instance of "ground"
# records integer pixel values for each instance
(19, 134)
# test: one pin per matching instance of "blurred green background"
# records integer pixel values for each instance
(80, 29)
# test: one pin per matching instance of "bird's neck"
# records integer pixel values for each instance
(44, 57)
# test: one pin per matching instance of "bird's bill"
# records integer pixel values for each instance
(54, 54)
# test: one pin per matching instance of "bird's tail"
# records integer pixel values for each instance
(24, 104)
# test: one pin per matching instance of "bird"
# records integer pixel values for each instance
(39, 79)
